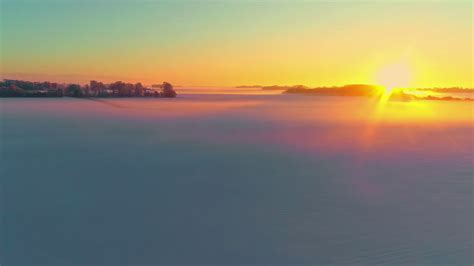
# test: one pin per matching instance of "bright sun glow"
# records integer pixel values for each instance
(395, 75)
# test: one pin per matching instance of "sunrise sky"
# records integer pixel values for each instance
(229, 43)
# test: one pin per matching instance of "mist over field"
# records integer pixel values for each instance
(241, 179)
(236, 133)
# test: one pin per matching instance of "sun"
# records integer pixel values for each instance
(394, 76)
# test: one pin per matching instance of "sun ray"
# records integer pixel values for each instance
(391, 77)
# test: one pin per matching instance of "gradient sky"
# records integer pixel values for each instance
(228, 43)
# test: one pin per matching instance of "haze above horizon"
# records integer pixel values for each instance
(233, 43)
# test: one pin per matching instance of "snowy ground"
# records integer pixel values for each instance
(236, 180)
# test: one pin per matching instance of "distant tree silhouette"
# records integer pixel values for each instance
(73, 90)
(19, 88)
(59, 92)
(167, 90)
(116, 87)
(139, 89)
(97, 88)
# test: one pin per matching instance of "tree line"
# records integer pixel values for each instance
(20, 88)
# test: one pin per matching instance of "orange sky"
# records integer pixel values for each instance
(232, 43)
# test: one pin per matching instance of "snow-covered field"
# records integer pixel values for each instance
(207, 179)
